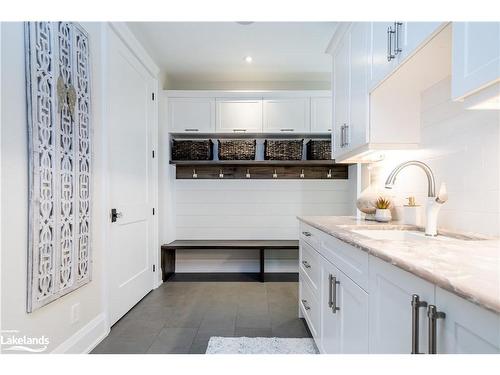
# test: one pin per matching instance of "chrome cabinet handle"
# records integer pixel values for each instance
(346, 135)
(333, 293)
(397, 30)
(330, 291)
(306, 264)
(191, 130)
(306, 306)
(239, 130)
(416, 304)
(390, 32)
(307, 234)
(342, 135)
(287, 130)
(433, 315)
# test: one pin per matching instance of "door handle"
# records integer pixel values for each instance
(333, 294)
(115, 215)
(433, 315)
(416, 304)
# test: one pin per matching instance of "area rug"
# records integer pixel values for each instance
(260, 345)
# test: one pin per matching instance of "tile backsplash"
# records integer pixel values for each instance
(462, 148)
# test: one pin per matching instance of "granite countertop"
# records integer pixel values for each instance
(466, 265)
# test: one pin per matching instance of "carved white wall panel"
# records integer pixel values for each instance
(58, 97)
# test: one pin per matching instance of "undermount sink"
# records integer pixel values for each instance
(397, 235)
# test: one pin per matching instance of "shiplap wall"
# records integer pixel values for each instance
(252, 209)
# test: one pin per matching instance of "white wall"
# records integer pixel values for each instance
(52, 320)
(462, 148)
(251, 209)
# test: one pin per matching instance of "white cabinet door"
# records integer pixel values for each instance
(359, 99)
(380, 51)
(466, 328)
(340, 89)
(391, 291)
(476, 56)
(321, 115)
(413, 34)
(286, 115)
(239, 115)
(330, 333)
(195, 115)
(352, 315)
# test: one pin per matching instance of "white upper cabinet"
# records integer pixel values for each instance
(238, 115)
(350, 93)
(383, 56)
(321, 115)
(290, 115)
(413, 35)
(476, 57)
(191, 115)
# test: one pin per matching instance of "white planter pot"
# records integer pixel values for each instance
(383, 215)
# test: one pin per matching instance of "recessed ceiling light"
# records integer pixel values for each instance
(249, 59)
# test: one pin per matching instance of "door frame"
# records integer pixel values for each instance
(121, 30)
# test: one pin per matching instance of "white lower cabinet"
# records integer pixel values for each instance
(466, 328)
(391, 291)
(380, 308)
(344, 313)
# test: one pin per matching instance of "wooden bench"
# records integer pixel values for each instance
(168, 250)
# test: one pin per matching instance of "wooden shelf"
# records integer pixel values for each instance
(256, 163)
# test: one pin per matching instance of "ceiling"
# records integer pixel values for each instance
(192, 53)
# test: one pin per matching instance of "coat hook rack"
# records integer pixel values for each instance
(275, 174)
(302, 175)
(329, 174)
(221, 174)
(195, 175)
(247, 175)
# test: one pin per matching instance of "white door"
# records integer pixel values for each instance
(191, 115)
(414, 34)
(391, 291)
(380, 51)
(340, 96)
(352, 302)
(239, 115)
(476, 56)
(466, 328)
(321, 115)
(130, 120)
(286, 115)
(359, 99)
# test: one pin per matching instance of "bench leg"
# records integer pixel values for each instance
(262, 277)
(167, 264)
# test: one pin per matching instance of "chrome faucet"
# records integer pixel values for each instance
(434, 202)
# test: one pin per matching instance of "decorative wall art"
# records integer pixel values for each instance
(59, 124)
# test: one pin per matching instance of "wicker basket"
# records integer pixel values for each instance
(192, 150)
(319, 150)
(283, 149)
(237, 149)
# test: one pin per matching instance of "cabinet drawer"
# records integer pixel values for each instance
(350, 260)
(310, 235)
(310, 265)
(310, 308)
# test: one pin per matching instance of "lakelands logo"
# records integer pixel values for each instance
(10, 340)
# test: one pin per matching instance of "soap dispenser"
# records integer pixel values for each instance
(412, 212)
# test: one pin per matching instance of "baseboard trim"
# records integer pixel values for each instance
(86, 338)
(233, 276)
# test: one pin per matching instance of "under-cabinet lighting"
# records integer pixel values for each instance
(248, 59)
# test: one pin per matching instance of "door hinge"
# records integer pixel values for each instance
(153, 210)
(154, 267)
(153, 153)
(152, 96)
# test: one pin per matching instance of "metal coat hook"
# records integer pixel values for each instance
(195, 175)
(329, 174)
(275, 174)
(221, 174)
(247, 175)
(302, 174)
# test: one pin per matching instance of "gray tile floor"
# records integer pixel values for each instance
(180, 317)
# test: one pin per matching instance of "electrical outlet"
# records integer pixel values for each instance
(75, 313)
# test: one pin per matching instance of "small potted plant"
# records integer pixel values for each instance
(383, 213)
